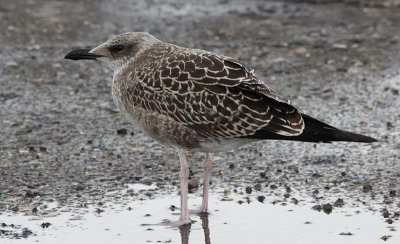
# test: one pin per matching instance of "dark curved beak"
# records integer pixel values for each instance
(82, 54)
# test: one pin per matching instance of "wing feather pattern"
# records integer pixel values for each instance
(216, 96)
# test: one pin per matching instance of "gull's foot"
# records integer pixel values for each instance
(178, 223)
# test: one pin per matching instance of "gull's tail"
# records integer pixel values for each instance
(316, 131)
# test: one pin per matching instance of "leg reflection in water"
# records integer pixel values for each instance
(185, 230)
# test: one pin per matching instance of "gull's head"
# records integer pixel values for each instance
(118, 51)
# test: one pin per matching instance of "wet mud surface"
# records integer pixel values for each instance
(65, 148)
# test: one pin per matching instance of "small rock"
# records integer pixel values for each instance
(193, 184)
(339, 202)
(262, 174)
(122, 132)
(385, 237)
(249, 190)
(317, 207)
(99, 211)
(261, 199)
(345, 233)
(385, 213)
(367, 187)
(257, 187)
(231, 166)
(389, 221)
(11, 64)
(45, 225)
(295, 201)
(339, 46)
(327, 208)
(392, 192)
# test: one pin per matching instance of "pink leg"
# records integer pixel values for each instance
(184, 175)
(207, 167)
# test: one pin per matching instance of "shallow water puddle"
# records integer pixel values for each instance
(229, 222)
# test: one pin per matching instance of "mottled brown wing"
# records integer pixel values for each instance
(215, 95)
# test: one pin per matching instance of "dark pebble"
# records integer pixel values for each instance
(339, 202)
(34, 210)
(367, 187)
(122, 132)
(231, 166)
(273, 187)
(193, 184)
(45, 225)
(327, 208)
(317, 207)
(26, 233)
(389, 221)
(99, 211)
(31, 194)
(385, 213)
(249, 190)
(295, 201)
(392, 192)
(261, 199)
(346, 234)
(172, 207)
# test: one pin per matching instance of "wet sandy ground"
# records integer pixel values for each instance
(64, 149)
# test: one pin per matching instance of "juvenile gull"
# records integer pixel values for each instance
(199, 101)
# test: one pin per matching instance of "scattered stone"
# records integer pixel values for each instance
(295, 201)
(339, 202)
(248, 190)
(231, 166)
(389, 221)
(386, 237)
(317, 207)
(99, 211)
(262, 174)
(122, 132)
(392, 192)
(257, 187)
(261, 199)
(45, 225)
(367, 187)
(385, 213)
(345, 233)
(327, 208)
(193, 184)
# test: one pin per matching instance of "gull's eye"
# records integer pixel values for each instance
(117, 48)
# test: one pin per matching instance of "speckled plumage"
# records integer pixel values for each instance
(205, 96)
(196, 100)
